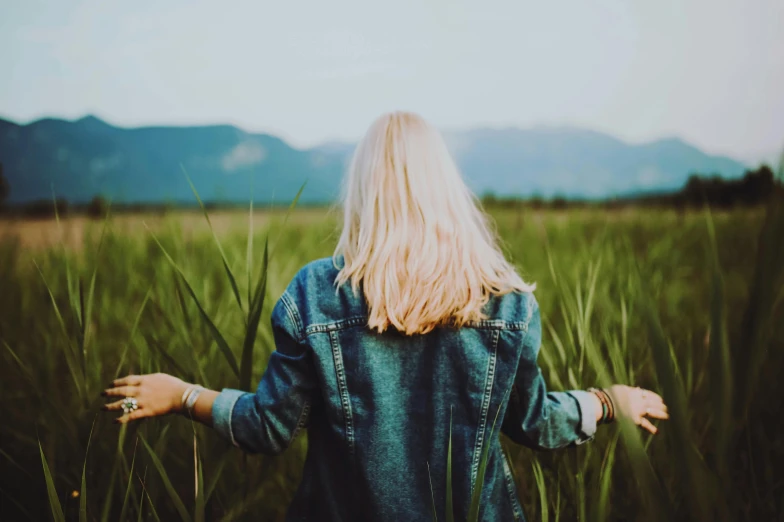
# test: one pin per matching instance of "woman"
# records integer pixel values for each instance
(416, 329)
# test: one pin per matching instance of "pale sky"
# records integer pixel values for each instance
(709, 71)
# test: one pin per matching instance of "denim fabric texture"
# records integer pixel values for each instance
(378, 407)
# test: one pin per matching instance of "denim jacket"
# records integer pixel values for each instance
(378, 408)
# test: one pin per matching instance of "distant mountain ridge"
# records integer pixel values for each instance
(86, 157)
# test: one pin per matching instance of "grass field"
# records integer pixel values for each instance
(688, 304)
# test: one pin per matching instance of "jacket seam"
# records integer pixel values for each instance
(334, 326)
(511, 488)
(303, 418)
(499, 324)
(489, 324)
(486, 400)
(340, 375)
(293, 314)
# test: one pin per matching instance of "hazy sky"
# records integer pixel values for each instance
(710, 71)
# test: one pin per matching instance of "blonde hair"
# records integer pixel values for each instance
(414, 236)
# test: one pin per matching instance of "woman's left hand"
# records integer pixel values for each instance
(638, 404)
(145, 396)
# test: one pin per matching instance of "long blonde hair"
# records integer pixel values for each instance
(413, 235)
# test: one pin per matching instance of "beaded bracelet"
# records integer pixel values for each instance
(605, 408)
(608, 407)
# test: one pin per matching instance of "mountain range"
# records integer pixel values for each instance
(88, 157)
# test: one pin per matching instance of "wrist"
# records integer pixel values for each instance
(606, 408)
(597, 407)
(178, 395)
(189, 397)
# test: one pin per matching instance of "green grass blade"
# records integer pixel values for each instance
(226, 267)
(124, 508)
(542, 488)
(153, 511)
(249, 253)
(450, 514)
(154, 343)
(678, 426)
(54, 501)
(216, 335)
(758, 318)
(16, 464)
(721, 384)
(199, 479)
(4, 495)
(216, 475)
(87, 312)
(254, 317)
(288, 213)
(118, 457)
(173, 496)
(146, 493)
(432, 495)
(589, 301)
(183, 329)
(605, 481)
(134, 328)
(68, 349)
(183, 307)
(24, 369)
(83, 492)
(82, 331)
(68, 278)
(141, 506)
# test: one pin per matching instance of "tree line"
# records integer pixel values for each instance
(754, 188)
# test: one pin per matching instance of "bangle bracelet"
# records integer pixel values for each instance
(190, 401)
(608, 408)
(185, 395)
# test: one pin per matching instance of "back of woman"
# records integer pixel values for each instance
(379, 406)
(398, 354)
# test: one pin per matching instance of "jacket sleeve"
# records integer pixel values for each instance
(268, 420)
(538, 418)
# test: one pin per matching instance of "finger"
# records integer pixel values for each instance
(655, 403)
(657, 413)
(658, 406)
(130, 380)
(129, 417)
(113, 406)
(121, 391)
(646, 424)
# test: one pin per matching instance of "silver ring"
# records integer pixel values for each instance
(129, 404)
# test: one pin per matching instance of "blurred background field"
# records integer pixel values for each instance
(685, 302)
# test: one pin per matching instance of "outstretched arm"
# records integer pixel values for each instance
(261, 422)
(551, 420)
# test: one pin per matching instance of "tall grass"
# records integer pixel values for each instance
(689, 305)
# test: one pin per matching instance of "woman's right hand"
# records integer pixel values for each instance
(638, 405)
(154, 394)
